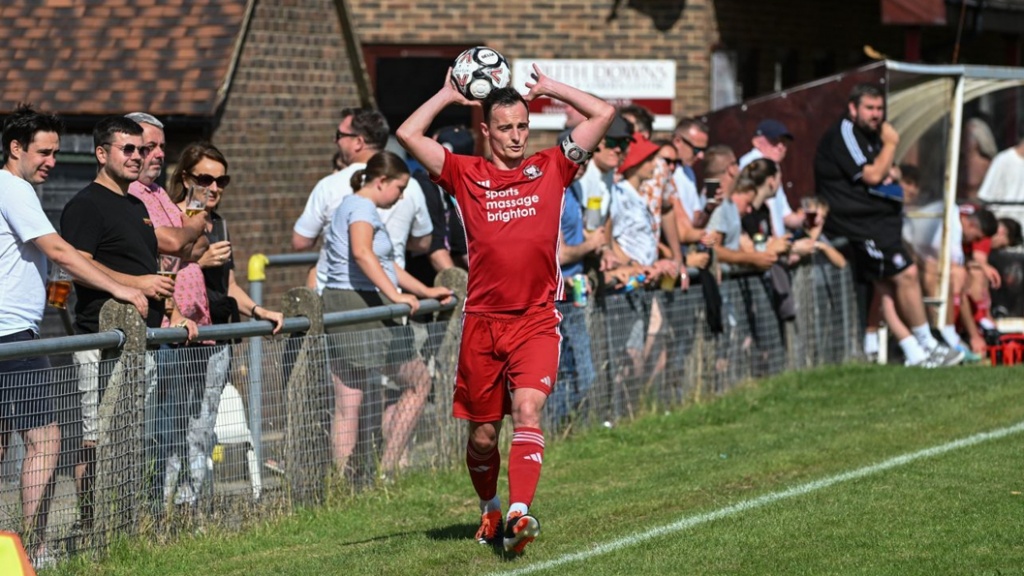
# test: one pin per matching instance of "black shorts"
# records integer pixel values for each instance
(880, 260)
(26, 399)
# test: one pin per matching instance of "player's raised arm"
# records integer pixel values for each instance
(412, 134)
(599, 113)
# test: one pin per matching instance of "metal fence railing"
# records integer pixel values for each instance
(176, 441)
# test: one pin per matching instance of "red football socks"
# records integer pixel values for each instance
(524, 463)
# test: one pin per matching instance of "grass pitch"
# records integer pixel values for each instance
(958, 512)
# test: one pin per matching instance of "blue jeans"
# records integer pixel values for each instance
(575, 364)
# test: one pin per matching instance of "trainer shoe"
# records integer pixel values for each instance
(520, 530)
(490, 527)
(969, 356)
(946, 356)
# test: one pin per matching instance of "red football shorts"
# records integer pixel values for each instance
(500, 353)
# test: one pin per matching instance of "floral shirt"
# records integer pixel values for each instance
(189, 286)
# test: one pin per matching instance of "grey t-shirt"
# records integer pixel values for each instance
(726, 219)
(341, 270)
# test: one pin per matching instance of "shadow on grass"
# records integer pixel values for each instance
(466, 532)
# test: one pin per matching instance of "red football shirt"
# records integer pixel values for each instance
(984, 245)
(512, 221)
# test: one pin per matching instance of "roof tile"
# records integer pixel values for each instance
(106, 56)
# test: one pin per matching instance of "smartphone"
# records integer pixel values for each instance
(711, 186)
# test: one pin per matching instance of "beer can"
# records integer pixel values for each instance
(579, 290)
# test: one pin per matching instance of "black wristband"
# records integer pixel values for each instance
(252, 313)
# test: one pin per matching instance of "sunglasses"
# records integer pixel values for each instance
(672, 162)
(339, 135)
(130, 149)
(205, 180)
(696, 149)
(620, 143)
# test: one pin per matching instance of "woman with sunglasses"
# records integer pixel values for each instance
(205, 292)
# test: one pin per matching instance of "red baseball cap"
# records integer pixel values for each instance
(641, 149)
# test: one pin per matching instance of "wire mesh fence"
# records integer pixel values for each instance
(168, 435)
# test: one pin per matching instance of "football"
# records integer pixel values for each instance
(478, 71)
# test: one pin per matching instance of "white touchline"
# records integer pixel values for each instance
(691, 521)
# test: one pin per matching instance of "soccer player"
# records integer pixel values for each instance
(511, 207)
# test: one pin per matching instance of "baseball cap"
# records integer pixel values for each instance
(641, 149)
(773, 130)
(457, 139)
(620, 128)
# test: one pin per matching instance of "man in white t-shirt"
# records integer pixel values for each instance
(362, 133)
(771, 139)
(1004, 181)
(27, 239)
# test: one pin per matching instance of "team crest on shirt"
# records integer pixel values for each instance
(898, 260)
(532, 172)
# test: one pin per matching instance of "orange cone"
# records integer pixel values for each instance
(13, 559)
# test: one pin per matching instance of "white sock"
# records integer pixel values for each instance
(912, 350)
(987, 324)
(490, 505)
(517, 507)
(923, 333)
(871, 342)
(950, 336)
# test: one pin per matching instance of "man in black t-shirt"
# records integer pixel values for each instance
(851, 170)
(112, 229)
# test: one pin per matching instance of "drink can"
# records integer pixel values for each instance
(579, 290)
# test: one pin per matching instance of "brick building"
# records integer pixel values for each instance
(265, 80)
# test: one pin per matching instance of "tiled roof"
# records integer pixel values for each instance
(114, 56)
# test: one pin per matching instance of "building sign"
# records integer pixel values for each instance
(648, 83)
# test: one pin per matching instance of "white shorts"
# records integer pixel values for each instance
(88, 363)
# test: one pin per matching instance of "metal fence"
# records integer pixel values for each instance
(214, 434)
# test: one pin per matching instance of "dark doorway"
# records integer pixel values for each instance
(404, 77)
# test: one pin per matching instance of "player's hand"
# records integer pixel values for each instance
(453, 94)
(538, 86)
(889, 134)
(134, 297)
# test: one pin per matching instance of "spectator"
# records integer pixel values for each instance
(977, 149)
(691, 140)
(1004, 181)
(771, 140)
(599, 175)
(448, 238)
(31, 141)
(727, 226)
(360, 272)
(112, 229)
(179, 235)
(575, 362)
(511, 291)
(206, 293)
(363, 133)
(853, 160)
